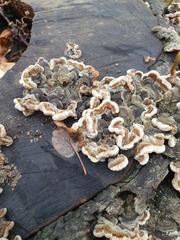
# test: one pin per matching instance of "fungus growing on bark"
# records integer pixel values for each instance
(116, 125)
(175, 167)
(165, 127)
(72, 50)
(174, 13)
(170, 36)
(176, 182)
(159, 80)
(94, 102)
(142, 219)
(149, 112)
(118, 163)
(149, 144)
(28, 73)
(6, 226)
(4, 139)
(105, 107)
(127, 139)
(47, 108)
(98, 153)
(28, 104)
(114, 232)
(58, 82)
(8, 172)
(61, 115)
(133, 112)
(121, 82)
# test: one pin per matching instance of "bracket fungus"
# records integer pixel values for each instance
(8, 172)
(6, 226)
(54, 87)
(170, 36)
(127, 139)
(130, 116)
(175, 167)
(116, 125)
(72, 50)
(98, 153)
(105, 228)
(118, 163)
(5, 140)
(149, 144)
(173, 15)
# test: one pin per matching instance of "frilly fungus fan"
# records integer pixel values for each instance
(8, 172)
(6, 226)
(105, 228)
(72, 50)
(173, 15)
(131, 116)
(53, 88)
(8, 175)
(127, 219)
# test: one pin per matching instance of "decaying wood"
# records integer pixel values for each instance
(51, 185)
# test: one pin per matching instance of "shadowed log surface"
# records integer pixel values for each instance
(114, 36)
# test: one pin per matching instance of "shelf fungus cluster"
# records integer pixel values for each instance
(6, 226)
(130, 116)
(72, 50)
(111, 230)
(54, 88)
(173, 15)
(8, 172)
(175, 167)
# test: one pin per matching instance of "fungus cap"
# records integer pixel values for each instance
(98, 153)
(72, 50)
(175, 166)
(2, 131)
(61, 115)
(118, 163)
(47, 108)
(106, 106)
(160, 125)
(116, 125)
(149, 112)
(176, 182)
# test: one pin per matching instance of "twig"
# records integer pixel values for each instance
(82, 164)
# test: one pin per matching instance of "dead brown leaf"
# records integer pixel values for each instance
(66, 142)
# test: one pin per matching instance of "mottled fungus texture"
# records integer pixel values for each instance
(108, 43)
